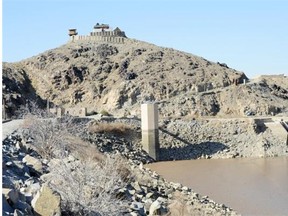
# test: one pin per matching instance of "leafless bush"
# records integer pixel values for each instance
(109, 127)
(82, 150)
(32, 109)
(88, 187)
(50, 136)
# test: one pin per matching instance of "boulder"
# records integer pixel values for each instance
(179, 208)
(136, 186)
(46, 202)
(147, 204)
(11, 194)
(176, 186)
(34, 163)
(149, 195)
(23, 207)
(154, 208)
(6, 208)
(137, 206)
(134, 213)
(132, 192)
(17, 212)
(30, 191)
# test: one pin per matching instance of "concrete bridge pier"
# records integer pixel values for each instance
(150, 131)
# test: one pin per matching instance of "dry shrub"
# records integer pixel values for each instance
(109, 127)
(88, 187)
(46, 136)
(51, 136)
(32, 109)
(83, 150)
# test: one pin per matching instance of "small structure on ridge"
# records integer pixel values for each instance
(101, 32)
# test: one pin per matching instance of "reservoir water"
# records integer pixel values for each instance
(251, 186)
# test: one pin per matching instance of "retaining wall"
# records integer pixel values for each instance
(81, 112)
(108, 34)
(111, 39)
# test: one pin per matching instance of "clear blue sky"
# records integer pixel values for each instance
(247, 35)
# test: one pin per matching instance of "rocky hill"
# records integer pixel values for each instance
(117, 78)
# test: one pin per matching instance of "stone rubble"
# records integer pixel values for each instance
(198, 138)
(20, 179)
(217, 138)
(25, 174)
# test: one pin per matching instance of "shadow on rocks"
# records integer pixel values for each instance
(189, 150)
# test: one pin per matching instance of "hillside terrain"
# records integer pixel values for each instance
(117, 78)
(201, 105)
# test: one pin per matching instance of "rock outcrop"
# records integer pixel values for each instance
(119, 77)
(135, 71)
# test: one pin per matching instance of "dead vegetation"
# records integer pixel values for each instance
(109, 127)
(51, 137)
(83, 150)
(86, 180)
(89, 187)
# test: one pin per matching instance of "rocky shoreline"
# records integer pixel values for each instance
(210, 138)
(218, 138)
(26, 177)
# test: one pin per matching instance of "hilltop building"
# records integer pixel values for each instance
(101, 32)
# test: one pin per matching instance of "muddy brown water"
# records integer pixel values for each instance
(251, 186)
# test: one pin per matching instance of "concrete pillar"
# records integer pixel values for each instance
(150, 132)
(3, 109)
(83, 112)
(48, 106)
(60, 112)
(244, 81)
(167, 91)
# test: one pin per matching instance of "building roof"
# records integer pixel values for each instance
(117, 29)
(101, 26)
